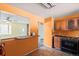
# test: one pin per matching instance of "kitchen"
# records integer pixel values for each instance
(19, 30)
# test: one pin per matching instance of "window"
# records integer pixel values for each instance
(5, 28)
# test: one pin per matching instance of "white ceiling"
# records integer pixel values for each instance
(59, 10)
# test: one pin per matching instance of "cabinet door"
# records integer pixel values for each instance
(77, 23)
(10, 48)
(57, 25)
(57, 43)
(64, 24)
(21, 45)
(60, 24)
(71, 24)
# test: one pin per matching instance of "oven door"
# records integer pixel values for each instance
(69, 46)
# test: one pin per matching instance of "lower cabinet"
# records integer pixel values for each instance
(10, 48)
(15, 47)
(57, 43)
(19, 47)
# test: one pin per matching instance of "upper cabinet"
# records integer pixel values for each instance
(67, 24)
(71, 24)
(77, 23)
(60, 24)
(57, 25)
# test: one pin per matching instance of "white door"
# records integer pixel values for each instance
(41, 35)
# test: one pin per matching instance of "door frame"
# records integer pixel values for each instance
(38, 33)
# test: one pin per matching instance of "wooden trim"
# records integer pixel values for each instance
(47, 46)
(30, 52)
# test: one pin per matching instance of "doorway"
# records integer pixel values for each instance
(41, 34)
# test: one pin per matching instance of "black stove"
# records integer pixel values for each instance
(69, 44)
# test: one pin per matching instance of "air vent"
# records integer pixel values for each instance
(48, 5)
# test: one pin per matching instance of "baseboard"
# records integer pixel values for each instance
(30, 52)
(47, 46)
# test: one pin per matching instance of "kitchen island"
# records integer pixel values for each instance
(17, 46)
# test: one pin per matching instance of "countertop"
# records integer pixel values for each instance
(66, 36)
(69, 37)
(74, 34)
(15, 38)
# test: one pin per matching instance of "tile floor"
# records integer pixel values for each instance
(45, 51)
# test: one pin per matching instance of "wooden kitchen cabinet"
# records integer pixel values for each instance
(77, 23)
(57, 25)
(71, 24)
(15, 47)
(24, 45)
(19, 46)
(64, 24)
(67, 24)
(57, 42)
(60, 25)
(10, 47)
